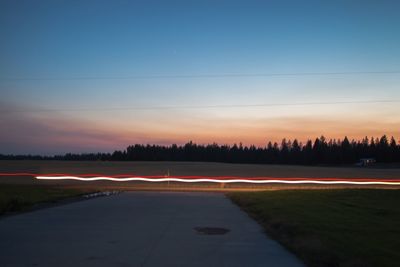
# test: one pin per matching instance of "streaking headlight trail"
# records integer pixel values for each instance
(257, 180)
(207, 179)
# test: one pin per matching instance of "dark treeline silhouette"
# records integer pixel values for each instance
(321, 151)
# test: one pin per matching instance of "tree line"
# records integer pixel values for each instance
(319, 151)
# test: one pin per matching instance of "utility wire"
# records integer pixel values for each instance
(195, 76)
(203, 106)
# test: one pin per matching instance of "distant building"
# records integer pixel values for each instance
(366, 162)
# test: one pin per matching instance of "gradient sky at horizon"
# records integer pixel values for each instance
(72, 39)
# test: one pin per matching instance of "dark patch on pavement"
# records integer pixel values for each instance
(211, 230)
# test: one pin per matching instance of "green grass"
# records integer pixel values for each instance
(331, 227)
(14, 198)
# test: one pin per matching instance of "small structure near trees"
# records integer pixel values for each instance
(366, 162)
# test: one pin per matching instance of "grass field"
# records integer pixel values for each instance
(14, 198)
(207, 169)
(196, 168)
(331, 227)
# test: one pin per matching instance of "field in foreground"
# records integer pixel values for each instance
(331, 227)
(14, 198)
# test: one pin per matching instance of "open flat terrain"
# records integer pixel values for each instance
(195, 168)
(323, 227)
(140, 229)
(186, 168)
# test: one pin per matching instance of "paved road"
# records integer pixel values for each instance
(139, 229)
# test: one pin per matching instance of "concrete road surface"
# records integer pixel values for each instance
(140, 229)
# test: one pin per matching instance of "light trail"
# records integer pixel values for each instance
(218, 180)
(91, 175)
(202, 179)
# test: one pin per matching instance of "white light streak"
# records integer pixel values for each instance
(202, 180)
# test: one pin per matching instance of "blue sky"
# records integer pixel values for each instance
(62, 39)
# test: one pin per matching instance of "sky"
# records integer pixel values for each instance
(96, 76)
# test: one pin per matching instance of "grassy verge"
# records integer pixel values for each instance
(331, 227)
(22, 197)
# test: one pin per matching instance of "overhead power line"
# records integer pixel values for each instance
(203, 106)
(195, 76)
